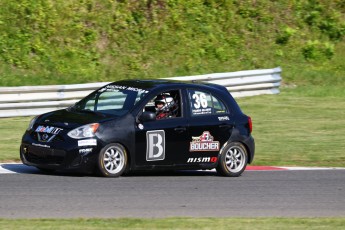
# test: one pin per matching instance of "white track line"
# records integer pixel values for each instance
(11, 168)
(5, 171)
(312, 168)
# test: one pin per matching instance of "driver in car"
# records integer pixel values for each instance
(164, 106)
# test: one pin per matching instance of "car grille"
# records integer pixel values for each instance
(40, 155)
(44, 137)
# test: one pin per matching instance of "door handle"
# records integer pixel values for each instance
(180, 129)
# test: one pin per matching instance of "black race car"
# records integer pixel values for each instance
(143, 125)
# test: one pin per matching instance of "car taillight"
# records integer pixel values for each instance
(250, 124)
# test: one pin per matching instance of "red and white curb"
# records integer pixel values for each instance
(280, 168)
(11, 168)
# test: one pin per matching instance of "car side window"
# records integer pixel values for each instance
(218, 106)
(165, 104)
(204, 103)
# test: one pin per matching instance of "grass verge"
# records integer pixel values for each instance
(11, 133)
(177, 223)
(297, 129)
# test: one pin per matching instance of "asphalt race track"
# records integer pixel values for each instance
(259, 192)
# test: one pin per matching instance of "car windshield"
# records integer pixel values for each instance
(111, 99)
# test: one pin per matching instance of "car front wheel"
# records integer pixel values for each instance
(112, 160)
(233, 160)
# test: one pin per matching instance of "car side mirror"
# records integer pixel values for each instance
(147, 116)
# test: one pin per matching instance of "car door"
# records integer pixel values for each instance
(210, 126)
(162, 142)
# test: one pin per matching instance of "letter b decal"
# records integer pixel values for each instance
(155, 141)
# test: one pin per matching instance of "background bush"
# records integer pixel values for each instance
(75, 41)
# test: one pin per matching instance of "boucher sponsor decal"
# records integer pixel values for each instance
(87, 142)
(48, 129)
(202, 160)
(204, 143)
(155, 141)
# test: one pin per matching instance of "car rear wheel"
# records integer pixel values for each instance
(112, 160)
(233, 160)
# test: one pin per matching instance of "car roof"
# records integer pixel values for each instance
(163, 83)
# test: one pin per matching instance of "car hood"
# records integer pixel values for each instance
(71, 118)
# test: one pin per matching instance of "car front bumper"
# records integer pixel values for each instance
(58, 156)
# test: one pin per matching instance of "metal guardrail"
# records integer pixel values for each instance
(34, 100)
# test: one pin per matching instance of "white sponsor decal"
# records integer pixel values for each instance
(121, 87)
(85, 151)
(87, 142)
(48, 129)
(204, 143)
(155, 141)
(39, 145)
(202, 159)
(202, 111)
(224, 118)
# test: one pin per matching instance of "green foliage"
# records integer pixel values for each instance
(285, 36)
(316, 50)
(75, 41)
(326, 18)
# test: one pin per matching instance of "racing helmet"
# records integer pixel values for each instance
(167, 100)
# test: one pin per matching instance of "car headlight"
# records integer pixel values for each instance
(32, 122)
(84, 131)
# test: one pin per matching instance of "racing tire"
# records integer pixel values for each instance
(112, 160)
(233, 160)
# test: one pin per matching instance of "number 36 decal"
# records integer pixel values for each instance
(200, 100)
